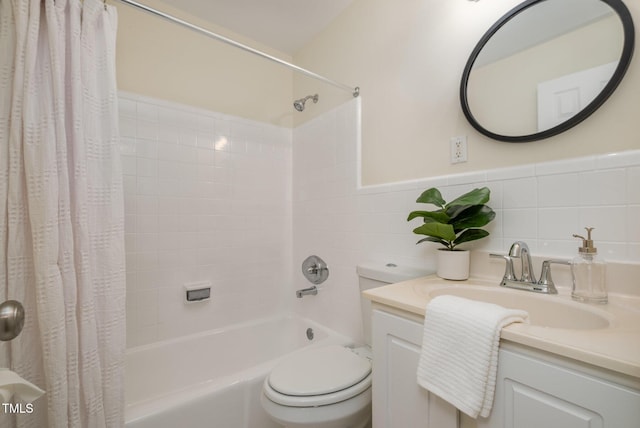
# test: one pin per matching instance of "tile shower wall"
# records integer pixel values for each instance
(207, 198)
(543, 204)
(325, 216)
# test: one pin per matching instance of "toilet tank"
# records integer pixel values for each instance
(378, 274)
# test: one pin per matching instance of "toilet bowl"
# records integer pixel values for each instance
(330, 386)
(324, 387)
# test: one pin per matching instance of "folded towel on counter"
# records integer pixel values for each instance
(459, 358)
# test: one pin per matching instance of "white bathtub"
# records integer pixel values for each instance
(213, 379)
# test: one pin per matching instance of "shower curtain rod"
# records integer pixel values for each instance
(355, 91)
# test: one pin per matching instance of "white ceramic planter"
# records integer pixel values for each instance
(453, 264)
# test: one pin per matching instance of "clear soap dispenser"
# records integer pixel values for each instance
(588, 271)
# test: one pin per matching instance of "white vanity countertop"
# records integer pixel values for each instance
(615, 347)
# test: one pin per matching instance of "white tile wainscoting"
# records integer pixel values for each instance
(543, 204)
(242, 204)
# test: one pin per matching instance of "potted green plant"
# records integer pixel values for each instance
(451, 224)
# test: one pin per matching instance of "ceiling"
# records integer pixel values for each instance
(285, 25)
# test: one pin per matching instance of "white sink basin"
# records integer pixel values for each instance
(544, 310)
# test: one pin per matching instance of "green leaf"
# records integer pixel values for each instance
(437, 230)
(474, 197)
(447, 244)
(439, 216)
(472, 216)
(454, 211)
(432, 196)
(470, 235)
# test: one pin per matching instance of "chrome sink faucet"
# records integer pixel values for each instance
(527, 280)
(520, 250)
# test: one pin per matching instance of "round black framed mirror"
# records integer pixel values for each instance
(546, 66)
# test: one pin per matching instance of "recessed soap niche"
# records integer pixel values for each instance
(197, 292)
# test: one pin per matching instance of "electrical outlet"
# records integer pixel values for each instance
(458, 149)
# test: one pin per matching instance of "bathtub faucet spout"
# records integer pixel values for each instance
(306, 291)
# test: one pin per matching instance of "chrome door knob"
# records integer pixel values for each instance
(11, 319)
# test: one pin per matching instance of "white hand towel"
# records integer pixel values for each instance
(459, 358)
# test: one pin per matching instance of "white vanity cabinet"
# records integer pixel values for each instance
(398, 400)
(534, 389)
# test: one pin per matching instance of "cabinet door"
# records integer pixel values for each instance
(398, 400)
(531, 393)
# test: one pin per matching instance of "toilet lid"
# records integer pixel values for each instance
(319, 371)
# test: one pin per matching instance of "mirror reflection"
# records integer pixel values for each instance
(544, 66)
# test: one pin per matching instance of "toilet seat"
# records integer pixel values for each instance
(318, 377)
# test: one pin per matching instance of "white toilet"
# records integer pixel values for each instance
(330, 386)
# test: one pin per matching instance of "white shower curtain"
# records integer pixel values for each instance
(61, 209)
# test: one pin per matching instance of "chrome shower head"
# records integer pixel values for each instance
(299, 104)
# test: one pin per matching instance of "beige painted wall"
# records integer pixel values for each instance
(163, 60)
(408, 62)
